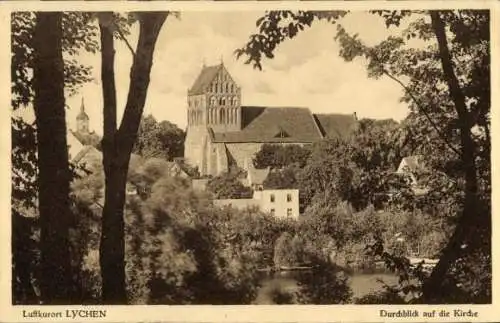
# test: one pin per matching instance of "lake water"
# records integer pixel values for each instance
(360, 284)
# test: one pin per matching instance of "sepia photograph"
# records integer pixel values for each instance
(263, 157)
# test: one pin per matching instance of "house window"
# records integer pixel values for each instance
(289, 197)
(272, 198)
(288, 212)
(272, 212)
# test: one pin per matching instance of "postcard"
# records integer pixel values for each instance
(247, 161)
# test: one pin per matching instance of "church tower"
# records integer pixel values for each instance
(214, 106)
(82, 120)
(214, 101)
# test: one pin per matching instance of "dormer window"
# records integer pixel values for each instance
(282, 134)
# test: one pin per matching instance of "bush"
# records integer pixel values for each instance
(323, 285)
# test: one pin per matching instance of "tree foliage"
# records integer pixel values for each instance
(446, 86)
(159, 139)
(229, 186)
(280, 156)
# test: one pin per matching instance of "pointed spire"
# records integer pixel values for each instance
(221, 60)
(82, 106)
(82, 115)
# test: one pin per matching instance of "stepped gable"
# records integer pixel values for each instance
(280, 125)
(337, 126)
(206, 76)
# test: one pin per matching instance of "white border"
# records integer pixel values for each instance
(260, 313)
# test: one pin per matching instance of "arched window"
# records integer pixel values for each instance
(227, 87)
(235, 100)
(213, 100)
(222, 116)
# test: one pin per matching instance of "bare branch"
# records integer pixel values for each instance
(122, 36)
(424, 111)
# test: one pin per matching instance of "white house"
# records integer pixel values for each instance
(280, 203)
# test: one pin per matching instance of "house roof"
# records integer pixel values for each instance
(336, 125)
(90, 138)
(280, 124)
(88, 155)
(206, 76)
(412, 162)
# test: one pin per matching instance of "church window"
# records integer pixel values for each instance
(288, 212)
(272, 198)
(223, 101)
(235, 100)
(289, 197)
(227, 87)
(213, 100)
(232, 88)
(222, 116)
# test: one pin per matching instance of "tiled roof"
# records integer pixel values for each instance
(90, 138)
(283, 124)
(336, 125)
(88, 155)
(206, 76)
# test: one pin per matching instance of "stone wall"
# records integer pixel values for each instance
(196, 139)
(243, 153)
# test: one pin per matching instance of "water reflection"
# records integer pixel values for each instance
(276, 286)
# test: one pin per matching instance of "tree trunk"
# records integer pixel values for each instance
(468, 220)
(118, 145)
(54, 175)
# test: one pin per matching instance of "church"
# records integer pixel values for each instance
(221, 133)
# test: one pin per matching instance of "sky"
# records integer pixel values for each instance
(306, 71)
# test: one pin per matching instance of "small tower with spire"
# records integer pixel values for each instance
(82, 120)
